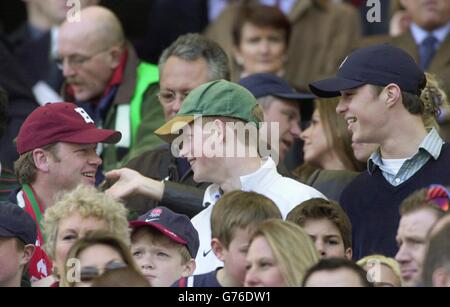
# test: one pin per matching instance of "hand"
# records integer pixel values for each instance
(129, 182)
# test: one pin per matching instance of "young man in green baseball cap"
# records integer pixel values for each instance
(219, 122)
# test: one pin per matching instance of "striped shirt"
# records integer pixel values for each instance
(429, 148)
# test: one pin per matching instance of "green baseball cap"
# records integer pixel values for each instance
(216, 98)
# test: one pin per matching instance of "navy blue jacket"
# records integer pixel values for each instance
(372, 205)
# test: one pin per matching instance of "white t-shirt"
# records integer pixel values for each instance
(286, 193)
(392, 166)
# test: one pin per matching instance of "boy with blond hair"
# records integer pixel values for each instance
(233, 220)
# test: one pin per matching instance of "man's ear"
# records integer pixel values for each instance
(441, 278)
(349, 253)
(27, 254)
(115, 54)
(189, 268)
(41, 159)
(218, 249)
(392, 94)
(238, 56)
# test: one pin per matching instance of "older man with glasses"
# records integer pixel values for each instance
(104, 76)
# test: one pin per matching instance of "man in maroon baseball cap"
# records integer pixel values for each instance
(57, 146)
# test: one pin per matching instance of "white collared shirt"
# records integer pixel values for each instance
(285, 192)
(420, 34)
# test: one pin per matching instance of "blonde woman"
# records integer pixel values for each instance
(381, 270)
(279, 255)
(96, 253)
(73, 215)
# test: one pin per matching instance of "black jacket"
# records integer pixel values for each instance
(181, 193)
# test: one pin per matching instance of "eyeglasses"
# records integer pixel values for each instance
(77, 60)
(88, 273)
(169, 96)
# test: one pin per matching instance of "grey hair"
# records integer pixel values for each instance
(193, 46)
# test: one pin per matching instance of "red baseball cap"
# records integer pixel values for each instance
(61, 122)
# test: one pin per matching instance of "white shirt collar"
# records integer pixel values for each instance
(420, 34)
(253, 180)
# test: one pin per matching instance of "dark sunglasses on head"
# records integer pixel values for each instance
(88, 273)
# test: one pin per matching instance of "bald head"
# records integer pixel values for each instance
(98, 26)
(91, 49)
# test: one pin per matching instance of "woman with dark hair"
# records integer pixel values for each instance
(260, 40)
(329, 161)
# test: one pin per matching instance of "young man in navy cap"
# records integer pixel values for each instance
(17, 238)
(57, 147)
(380, 88)
(164, 245)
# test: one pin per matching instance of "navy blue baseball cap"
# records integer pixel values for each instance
(267, 84)
(376, 65)
(16, 223)
(177, 227)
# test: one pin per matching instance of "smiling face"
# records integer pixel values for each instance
(365, 114)
(411, 238)
(73, 164)
(261, 49)
(198, 147)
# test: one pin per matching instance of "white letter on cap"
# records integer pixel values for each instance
(374, 14)
(85, 116)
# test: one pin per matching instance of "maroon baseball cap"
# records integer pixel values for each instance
(61, 122)
(177, 227)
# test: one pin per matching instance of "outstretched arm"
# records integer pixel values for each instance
(129, 182)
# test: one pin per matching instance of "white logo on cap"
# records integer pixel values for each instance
(85, 116)
(151, 220)
(343, 62)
